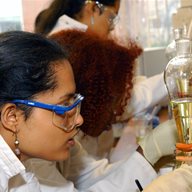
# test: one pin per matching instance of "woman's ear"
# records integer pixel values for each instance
(10, 117)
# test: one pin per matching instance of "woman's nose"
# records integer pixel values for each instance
(79, 120)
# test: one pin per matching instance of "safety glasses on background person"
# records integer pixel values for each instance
(113, 18)
(64, 117)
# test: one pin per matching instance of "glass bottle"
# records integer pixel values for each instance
(178, 33)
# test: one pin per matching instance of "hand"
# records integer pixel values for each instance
(184, 147)
(160, 142)
(181, 149)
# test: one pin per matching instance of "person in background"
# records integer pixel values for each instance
(106, 86)
(85, 15)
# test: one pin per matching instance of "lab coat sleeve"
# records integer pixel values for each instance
(123, 178)
(180, 180)
(146, 94)
(100, 176)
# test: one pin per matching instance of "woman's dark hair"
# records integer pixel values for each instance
(26, 65)
(103, 73)
(46, 19)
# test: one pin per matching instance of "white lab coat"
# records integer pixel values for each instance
(146, 94)
(79, 173)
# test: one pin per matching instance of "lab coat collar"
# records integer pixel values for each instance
(65, 22)
(8, 160)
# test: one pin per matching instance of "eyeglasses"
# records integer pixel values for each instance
(100, 6)
(64, 117)
(113, 18)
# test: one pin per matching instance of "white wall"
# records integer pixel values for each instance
(152, 62)
(31, 8)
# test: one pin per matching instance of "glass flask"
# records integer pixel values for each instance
(178, 80)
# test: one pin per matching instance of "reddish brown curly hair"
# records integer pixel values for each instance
(103, 73)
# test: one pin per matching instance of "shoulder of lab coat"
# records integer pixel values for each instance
(145, 94)
(98, 147)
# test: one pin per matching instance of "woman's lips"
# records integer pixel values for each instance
(71, 142)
